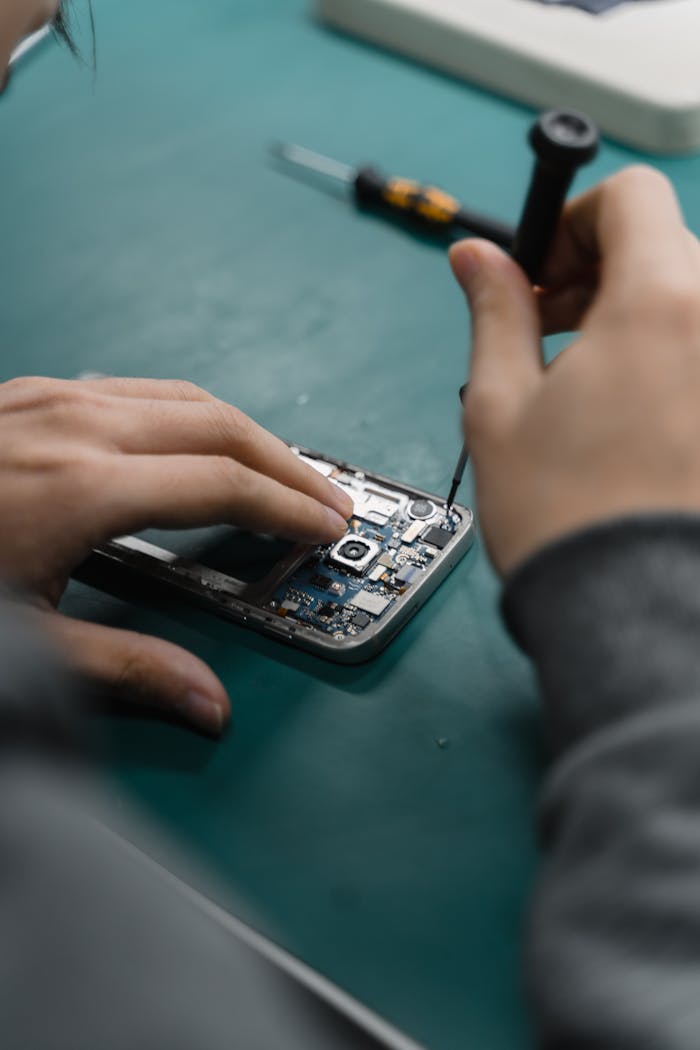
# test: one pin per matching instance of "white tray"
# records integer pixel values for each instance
(634, 69)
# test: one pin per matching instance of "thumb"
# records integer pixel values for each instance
(506, 335)
(144, 670)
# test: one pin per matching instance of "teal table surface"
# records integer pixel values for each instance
(145, 232)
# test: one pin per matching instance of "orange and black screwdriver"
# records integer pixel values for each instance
(428, 207)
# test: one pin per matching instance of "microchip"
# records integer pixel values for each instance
(321, 583)
(386, 560)
(361, 619)
(437, 537)
(371, 603)
(407, 574)
(328, 609)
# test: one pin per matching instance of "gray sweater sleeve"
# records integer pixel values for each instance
(611, 619)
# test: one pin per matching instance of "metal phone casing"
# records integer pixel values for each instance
(130, 560)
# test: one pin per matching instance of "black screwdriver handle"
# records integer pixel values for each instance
(429, 207)
(563, 141)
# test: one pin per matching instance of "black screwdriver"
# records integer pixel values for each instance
(563, 141)
(428, 207)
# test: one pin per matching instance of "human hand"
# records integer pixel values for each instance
(611, 427)
(83, 462)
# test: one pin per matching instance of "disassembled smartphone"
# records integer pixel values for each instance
(344, 601)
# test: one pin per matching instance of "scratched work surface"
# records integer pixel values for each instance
(377, 820)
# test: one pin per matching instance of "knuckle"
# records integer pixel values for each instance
(73, 410)
(134, 670)
(683, 303)
(639, 177)
(185, 390)
(26, 391)
(229, 423)
(52, 395)
(48, 413)
(61, 396)
(228, 472)
(81, 470)
(69, 478)
(18, 384)
(673, 305)
(77, 399)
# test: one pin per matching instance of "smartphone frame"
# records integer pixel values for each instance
(234, 600)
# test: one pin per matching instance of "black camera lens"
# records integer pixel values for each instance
(353, 550)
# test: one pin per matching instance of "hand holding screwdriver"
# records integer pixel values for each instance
(563, 141)
(612, 430)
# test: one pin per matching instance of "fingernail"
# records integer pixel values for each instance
(342, 502)
(464, 260)
(203, 712)
(336, 524)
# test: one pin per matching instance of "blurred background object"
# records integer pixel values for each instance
(632, 66)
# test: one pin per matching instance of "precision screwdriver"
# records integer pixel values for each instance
(461, 462)
(562, 141)
(429, 207)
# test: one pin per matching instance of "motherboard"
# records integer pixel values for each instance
(392, 540)
(344, 601)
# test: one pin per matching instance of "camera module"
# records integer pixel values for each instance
(354, 554)
(354, 550)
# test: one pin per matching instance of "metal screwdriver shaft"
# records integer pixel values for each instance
(459, 474)
(307, 158)
(563, 141)
(461, 462)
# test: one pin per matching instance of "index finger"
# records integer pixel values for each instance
(186, 491)
(630, 227)
(212, 427)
